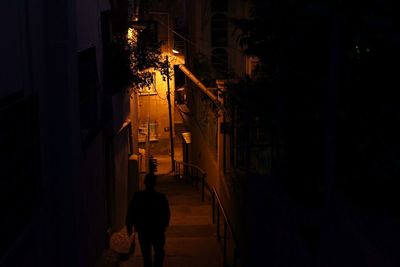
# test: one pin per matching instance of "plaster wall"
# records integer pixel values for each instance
(155, 105)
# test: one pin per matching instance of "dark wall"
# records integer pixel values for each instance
(21, 183)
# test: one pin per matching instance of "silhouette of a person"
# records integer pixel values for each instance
(149, 214)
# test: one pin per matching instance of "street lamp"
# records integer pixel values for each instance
(171, 136)
(167, 73)
(164, 71)
(170, 112)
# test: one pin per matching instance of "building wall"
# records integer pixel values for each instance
(200, 17)
(206, 154)
(155, 105)
(121, 152)
(13, 50)
(203, 155)
(90, 198)
(134, 117)
(67, 225)
(204, 131)
(285, 222)
(89, 28)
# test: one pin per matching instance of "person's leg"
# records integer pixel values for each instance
(159, 252)
(145, 247)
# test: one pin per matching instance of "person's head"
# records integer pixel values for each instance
(150, 181)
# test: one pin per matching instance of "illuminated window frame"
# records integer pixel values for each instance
(219, 30)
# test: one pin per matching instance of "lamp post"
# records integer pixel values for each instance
(171, 133)
(170, 116)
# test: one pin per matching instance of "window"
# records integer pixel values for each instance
(144, 130)
(251, 64)
(219, 60)
(219, 5)
(152, 31)
(239, 141)
(152, 89)
(219, 30)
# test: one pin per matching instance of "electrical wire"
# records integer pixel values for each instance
(197, 46)
(158, 94)
(193, 43)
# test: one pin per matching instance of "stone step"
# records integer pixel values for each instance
(191, 231)
(185, 252)
(191, 236)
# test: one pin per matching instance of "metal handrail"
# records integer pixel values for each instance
(227, 225)
(188, 171)
(215, 199)
(191, 165)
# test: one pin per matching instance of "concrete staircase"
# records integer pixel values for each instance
(191, 236)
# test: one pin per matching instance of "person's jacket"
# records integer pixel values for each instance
(148, 211)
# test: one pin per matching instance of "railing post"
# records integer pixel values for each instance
(184, 172)
(218, 223)
(191, 175)
(202, 186)
(197, 178)
(235, 255)
(180, 171)
(190, 172)
(213, 207)
(176, 169)
(225, 241)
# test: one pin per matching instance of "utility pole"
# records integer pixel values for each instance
(170, 117)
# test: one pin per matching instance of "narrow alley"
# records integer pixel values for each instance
(274, 126)
(191, 236)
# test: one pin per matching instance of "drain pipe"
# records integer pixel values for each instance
(200, 85)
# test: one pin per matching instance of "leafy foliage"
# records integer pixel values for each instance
(135, 56)
(320, 58)
(120, 71)
(146, 56)
(328, 82)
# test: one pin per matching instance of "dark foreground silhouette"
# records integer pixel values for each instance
(149, 215)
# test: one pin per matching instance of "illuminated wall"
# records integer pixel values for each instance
(153, 104)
